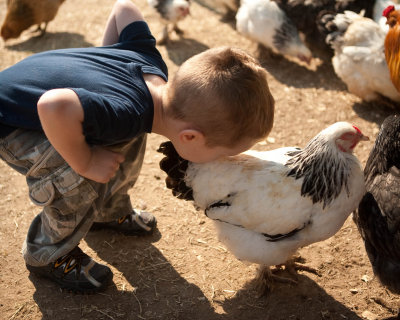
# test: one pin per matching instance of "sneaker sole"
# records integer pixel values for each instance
(96, 226)
(70, 288)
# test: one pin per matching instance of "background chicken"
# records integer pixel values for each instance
(359, 59)
(263, 21)
(392, 44)
(266, 205)
(171, 11)
(306, 16)
(379, 9)
(22, 14)
(378, 216)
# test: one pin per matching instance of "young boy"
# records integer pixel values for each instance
(74, 122)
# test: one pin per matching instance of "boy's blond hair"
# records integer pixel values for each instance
(223, 93)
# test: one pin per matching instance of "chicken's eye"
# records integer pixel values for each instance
(392, 22)
(347, 136)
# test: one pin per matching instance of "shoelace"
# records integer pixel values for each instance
(72, 260)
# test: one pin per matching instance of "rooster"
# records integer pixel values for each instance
(378, 215)
(378, 14)
(171, 11)
(359, 59)
(264, 22)
(22, 14)
(392, 45)
(266, 205)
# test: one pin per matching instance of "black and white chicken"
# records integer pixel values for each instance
(264, 22)
(266, 205)
(171, 11)
(306, 16)
(359, 57)
(378, 215)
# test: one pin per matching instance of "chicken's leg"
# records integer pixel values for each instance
(265, 279)
(177, 29)
(293, 265)
(164, 36)
(41, 29)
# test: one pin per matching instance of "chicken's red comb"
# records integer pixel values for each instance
(388, 10)
(358, 130)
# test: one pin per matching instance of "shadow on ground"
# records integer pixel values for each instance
(375, 111)
(308, 302)
(298, 75)
(182, 49)
(50, 41)
(146, 286)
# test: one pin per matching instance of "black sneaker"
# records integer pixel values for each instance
(138, 223)
(76, 272)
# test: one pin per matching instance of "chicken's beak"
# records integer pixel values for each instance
(304, 58)
(364, 138)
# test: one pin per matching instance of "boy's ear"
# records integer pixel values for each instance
(191, 136)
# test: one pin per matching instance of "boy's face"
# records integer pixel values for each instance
(203, 153)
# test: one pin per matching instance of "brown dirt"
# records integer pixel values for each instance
(183, 272)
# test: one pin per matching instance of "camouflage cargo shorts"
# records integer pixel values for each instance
(70, 203)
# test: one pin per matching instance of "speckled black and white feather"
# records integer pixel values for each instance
(263, 21)
(306, 16)
(324, 170)
(285, 34)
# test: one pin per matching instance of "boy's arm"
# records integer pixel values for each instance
(61, 115)
(123, 13)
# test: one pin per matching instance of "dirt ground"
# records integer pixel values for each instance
(183, 272)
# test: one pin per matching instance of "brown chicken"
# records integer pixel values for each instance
(392, 44)
(22, 14)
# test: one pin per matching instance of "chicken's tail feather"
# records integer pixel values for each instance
(175, 167)
(381, 242)
(334, 25)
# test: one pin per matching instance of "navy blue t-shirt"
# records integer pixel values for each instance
(108, 81)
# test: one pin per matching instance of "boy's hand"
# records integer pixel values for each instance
(103, 165)
(61, 116)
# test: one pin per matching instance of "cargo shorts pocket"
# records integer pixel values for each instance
(64, 189)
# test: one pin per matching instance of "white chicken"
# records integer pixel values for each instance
(266, 205)
(264, 22)
(171, 11)
(359, 58)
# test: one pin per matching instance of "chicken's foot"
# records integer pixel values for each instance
(41, 29)
(265, 280)
(177, 29)
(293, 265)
